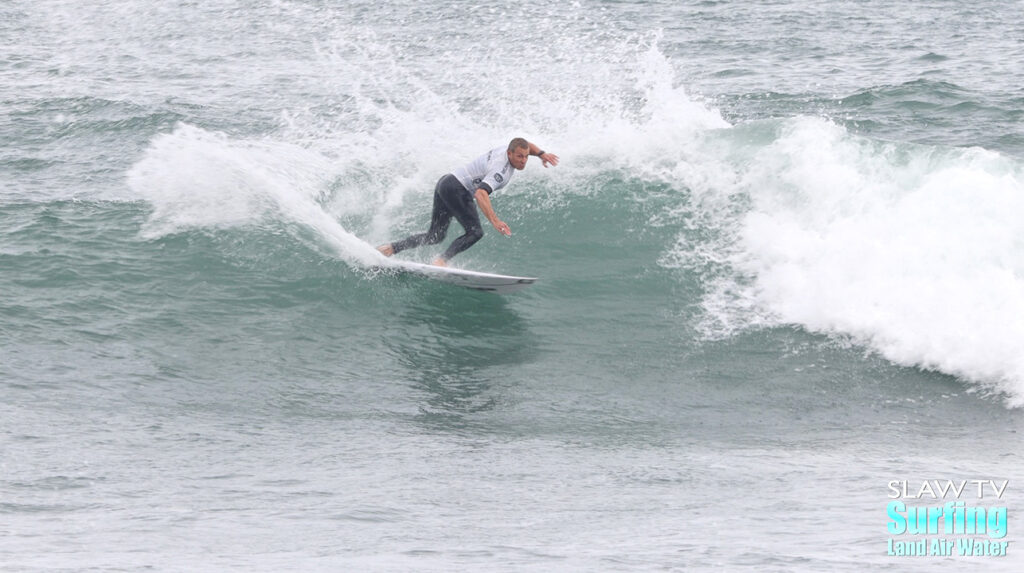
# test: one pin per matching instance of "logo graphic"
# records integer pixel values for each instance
(498, 177)
(954, 528)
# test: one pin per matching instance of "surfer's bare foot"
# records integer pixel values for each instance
(439, 262)
(386, 250)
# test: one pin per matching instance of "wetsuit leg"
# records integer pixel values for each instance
(440, 218)
(461, 205)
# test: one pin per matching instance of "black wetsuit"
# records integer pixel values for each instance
(451, 199)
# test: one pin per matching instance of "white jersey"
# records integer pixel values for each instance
(490, 172)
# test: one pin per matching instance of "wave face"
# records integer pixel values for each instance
(906, 248)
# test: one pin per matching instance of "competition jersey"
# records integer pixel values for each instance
(490, 172)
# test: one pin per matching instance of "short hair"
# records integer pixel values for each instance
(518, 143)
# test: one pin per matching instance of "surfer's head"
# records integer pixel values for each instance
(518, 152)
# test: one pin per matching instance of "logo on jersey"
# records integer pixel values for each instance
(498, 177)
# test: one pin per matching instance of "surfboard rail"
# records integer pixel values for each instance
(476, 280)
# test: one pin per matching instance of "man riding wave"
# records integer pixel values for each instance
(455, 192)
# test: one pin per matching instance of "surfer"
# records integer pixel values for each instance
(455, 192)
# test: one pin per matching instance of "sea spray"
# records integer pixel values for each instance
(194, 179)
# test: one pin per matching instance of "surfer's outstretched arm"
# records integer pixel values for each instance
(484, 201)
(545, 157)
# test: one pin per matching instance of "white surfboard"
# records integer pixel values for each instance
(501, 284)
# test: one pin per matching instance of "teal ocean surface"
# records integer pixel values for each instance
(781, 286)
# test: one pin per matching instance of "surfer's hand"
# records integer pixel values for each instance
(549, 158)
(503, 228)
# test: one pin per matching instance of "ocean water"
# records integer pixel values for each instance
(781, 266)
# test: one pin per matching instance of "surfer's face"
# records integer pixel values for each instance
(517, 157)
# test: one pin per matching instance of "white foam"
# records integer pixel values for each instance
(913, 251)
